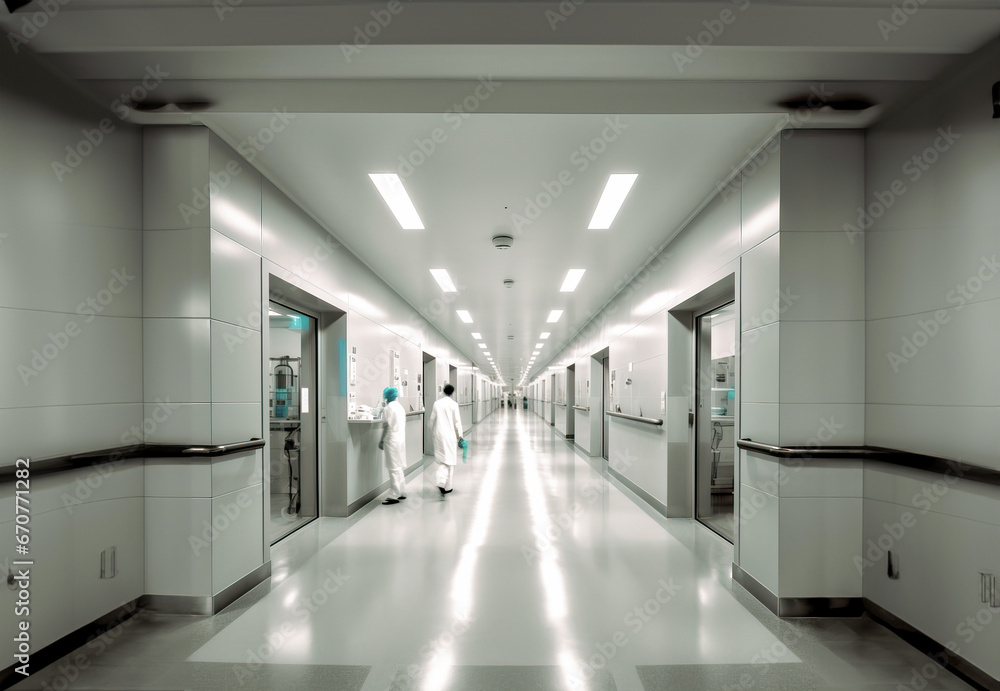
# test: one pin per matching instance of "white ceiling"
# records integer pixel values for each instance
(357, 111)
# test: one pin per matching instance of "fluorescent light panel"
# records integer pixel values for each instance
(464, 316)
(482, 345)
(554, 316)
(612, 199)
(477, 336)
(544, 335)
(572, 279)
(391, 188)
(444, 280)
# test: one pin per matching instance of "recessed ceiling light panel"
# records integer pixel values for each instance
(612, 199)
(391, 188)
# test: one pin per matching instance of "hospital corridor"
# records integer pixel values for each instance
(537, 572)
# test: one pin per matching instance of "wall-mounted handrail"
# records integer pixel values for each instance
(414, 412)
(906, 459)
(561, 405)
(119, 454)
(224, 449)
(585, 409)
(636, 418)
(462, 405)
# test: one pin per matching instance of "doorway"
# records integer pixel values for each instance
(605, 420)
(292, 415)
(428, 391)
(715, 438)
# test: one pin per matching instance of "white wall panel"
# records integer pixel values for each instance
(175, 183)
(97, 527)
(176, 273)
(235, 364)
(758, 517)
(167, 477)
(233, 422)
(237, 472)
(174, 531)
(926, 269)
(43, 118)
(908, 365)
(834, 424)
(968, 433)
(238, 548)
(236, 195)
(760, 365)
(842, 477)
(761, 184)
(822, 277)
(820, 185)
(759, 422)
(292, 239)
(822, 362)
(760, 283)
(81, 428)
(177, 360)
(235, 283)
(99, 361)
(818, 542)
(58, 268)
(187, 423)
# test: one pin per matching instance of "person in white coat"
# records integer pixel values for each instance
(394, 444)
(446, 426)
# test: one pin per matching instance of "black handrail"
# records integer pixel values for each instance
(118, 454)
(906, 459)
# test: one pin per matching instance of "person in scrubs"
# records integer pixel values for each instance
(394, 444)
(446, 425)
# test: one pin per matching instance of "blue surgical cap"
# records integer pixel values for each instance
(390, 393)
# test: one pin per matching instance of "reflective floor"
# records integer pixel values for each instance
(537, 572)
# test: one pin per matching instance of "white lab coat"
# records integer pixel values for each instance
(446, 426)
(395, 448)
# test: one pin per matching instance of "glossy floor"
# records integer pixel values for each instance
(537, 572)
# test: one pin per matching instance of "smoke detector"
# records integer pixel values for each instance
(503, 242)
(508, 283)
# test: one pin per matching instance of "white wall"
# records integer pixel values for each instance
(941, 394)
(71, 285)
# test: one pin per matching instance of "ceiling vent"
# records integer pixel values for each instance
(812, 102)
(508, 283)
(510, 338)
(503, 242)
